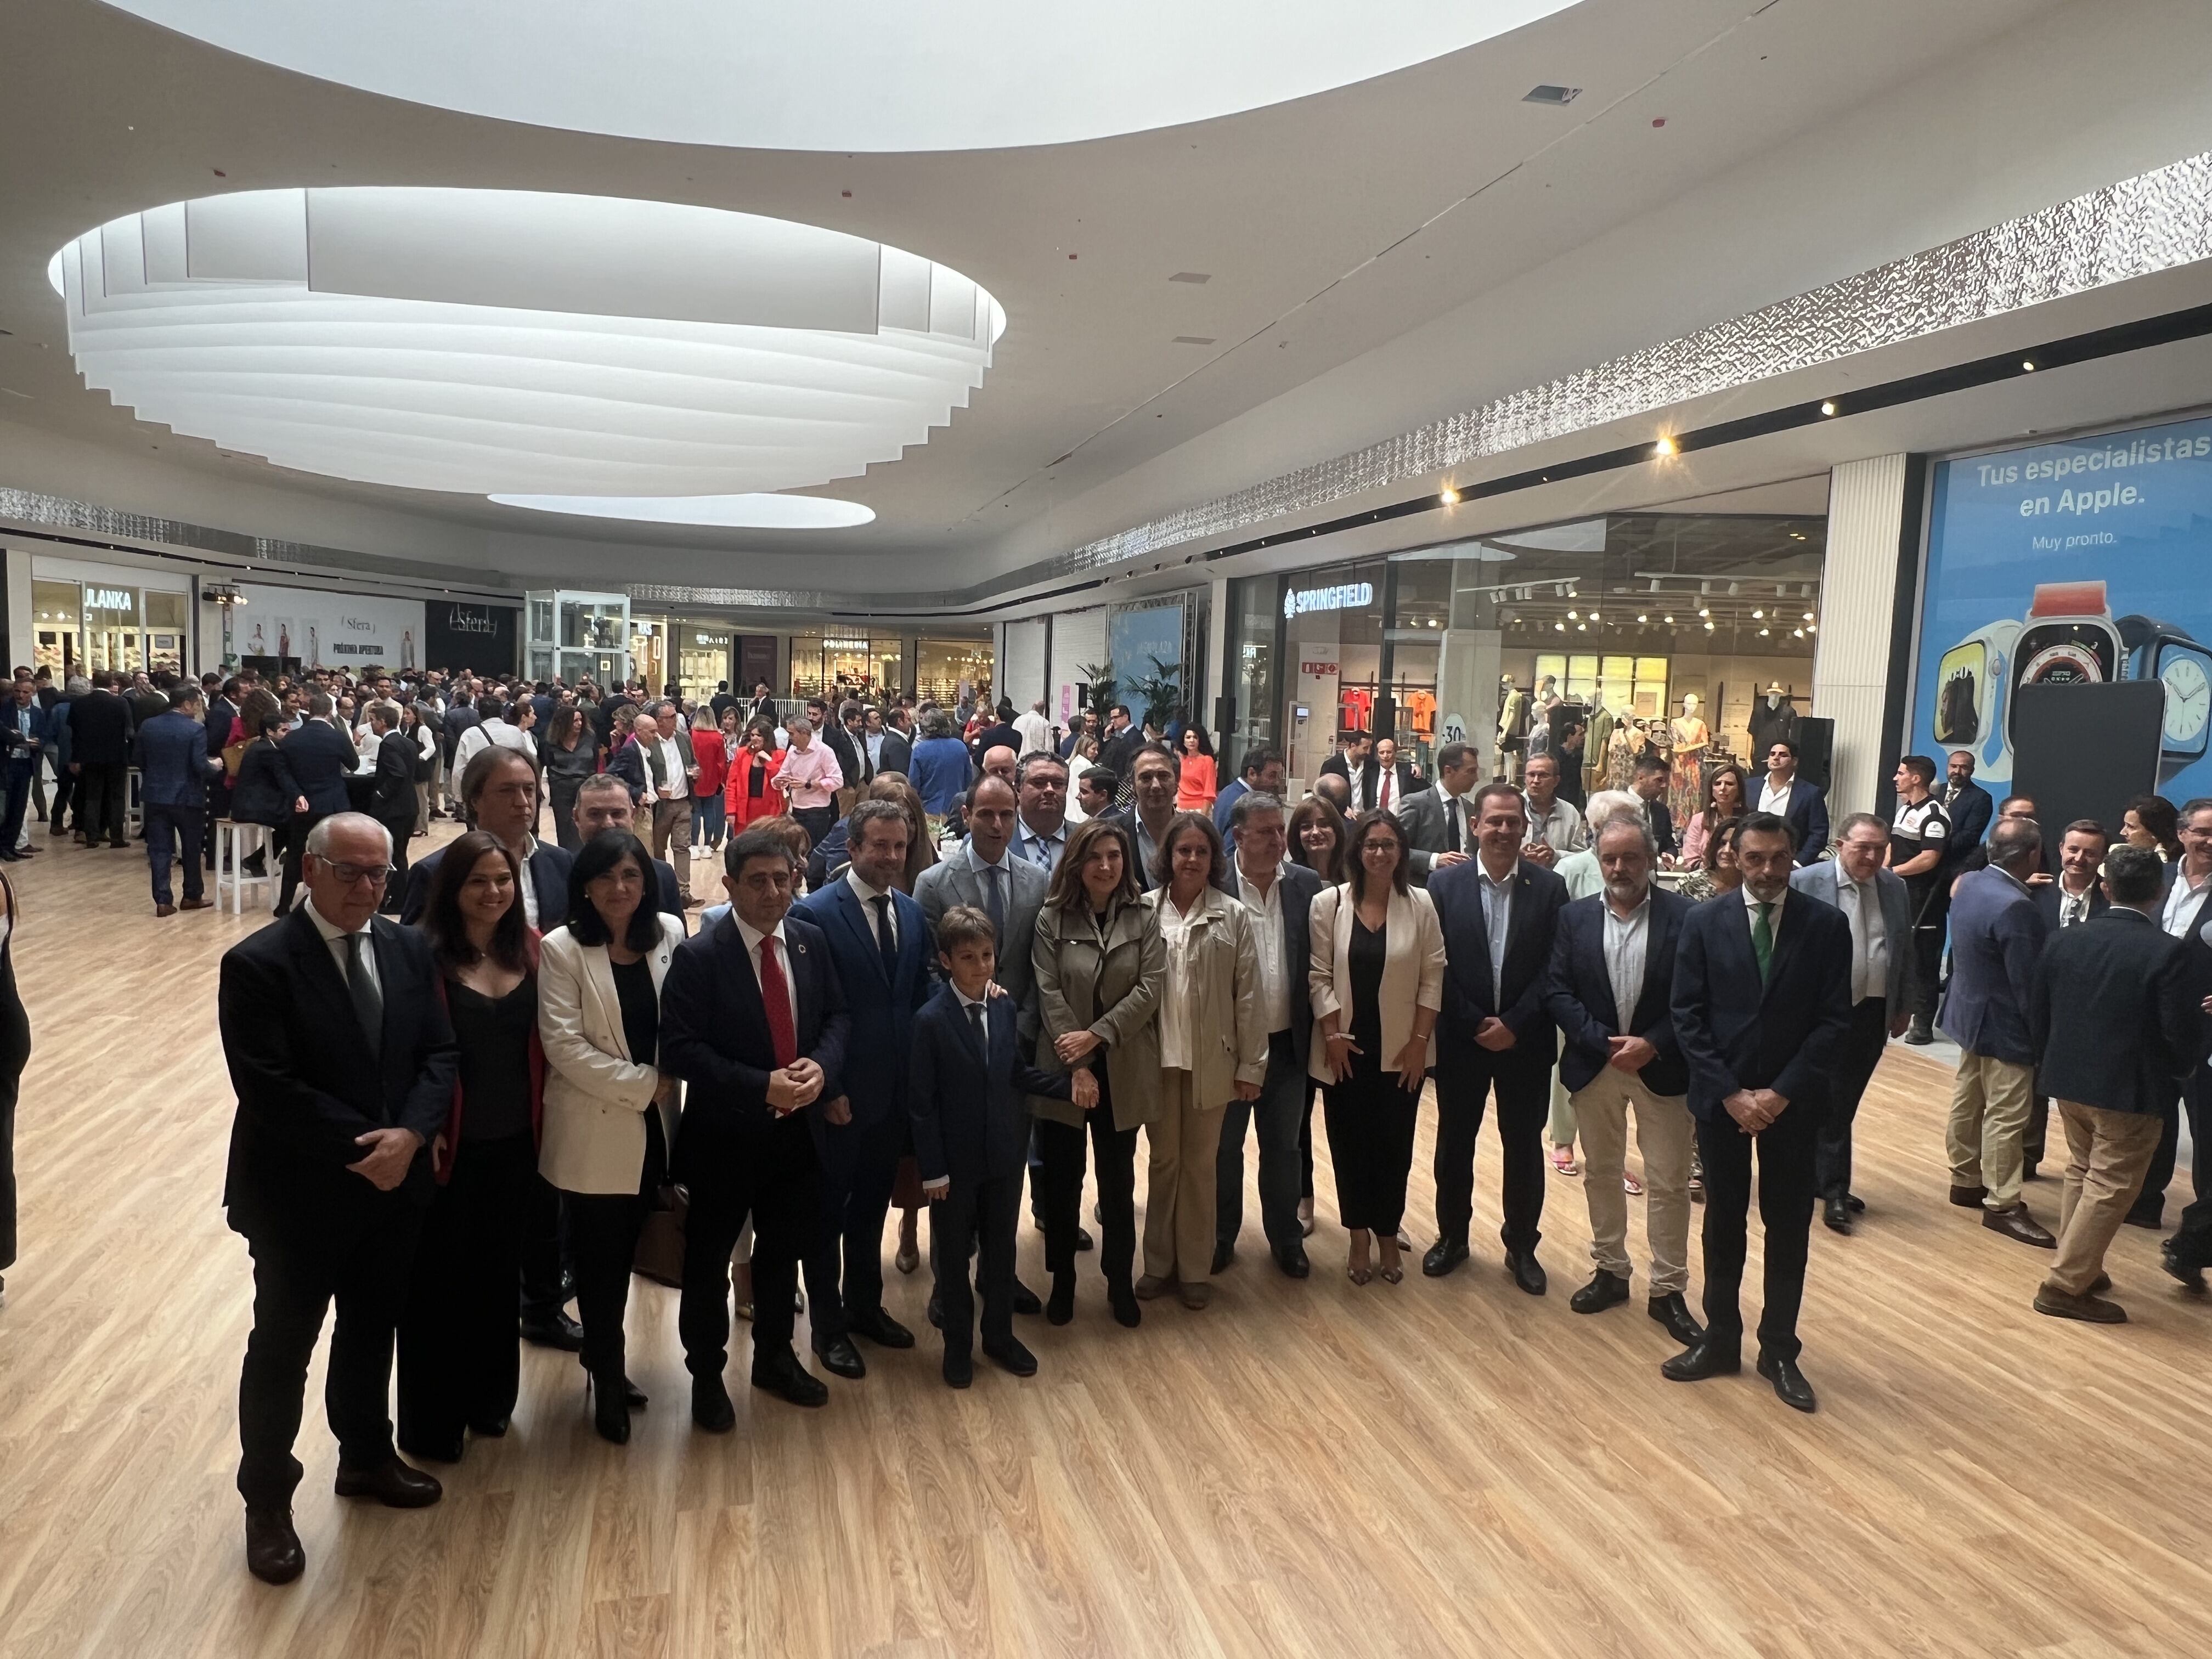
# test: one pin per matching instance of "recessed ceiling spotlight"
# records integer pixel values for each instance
(1571, 616)
(2027, 365)
(1561, 627)
(1709, 628)
(1798, 634)
(1808, 615)
(1829, 407)
(1551, 94)
(1669, 621)
(1641, 617)
(1448, 496)
(1192, 276)
(1582, 628)
(1666, 446)
(1758, 616)
(1704, 611)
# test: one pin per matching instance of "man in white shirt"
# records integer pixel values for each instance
(1035, 731)
(1439, 823)
(669, 768)
(1555, 827)
(1279, 897)
(2192, 876)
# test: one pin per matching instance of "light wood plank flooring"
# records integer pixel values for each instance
(1432, 1468)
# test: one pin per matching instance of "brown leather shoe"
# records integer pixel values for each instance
(1969, 1198)
(165, 910)
(272, 1548)
(196, 904)
(2016, 1223)
(2094, 1309)
(393, 1484)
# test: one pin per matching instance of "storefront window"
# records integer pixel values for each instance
(165, 631)
(702, 660)
(953, 671)
(113, 641)
(838, 666)
(1254, 681)
(58, 646)
(593, 624)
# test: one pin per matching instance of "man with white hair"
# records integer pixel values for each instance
(1035, 731)
(344, 1063)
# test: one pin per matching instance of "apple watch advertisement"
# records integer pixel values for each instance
(2079, 562)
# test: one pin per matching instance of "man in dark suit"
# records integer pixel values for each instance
(1152, 808)
(99, 757)
(1610, 987)
(1997, 938)
(969, 1078)
(320, 758)
(173, 771)
(344, 1063)
(391, 791)
(2076, 895)
(1967, 804)
(30, 738)
(2115, 1016)
(878, 942)
(1353, 751)
(1648, 783)
(1439, 822)
(1762, 1003)
(1790, 797)
(1261, 773)
(896, 752)
(753, 1017)
(1277, 898)
(1385, 779)
(1498, 912)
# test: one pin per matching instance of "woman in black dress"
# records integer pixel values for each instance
(571, 755)
(460, 1363)
(14, 1053)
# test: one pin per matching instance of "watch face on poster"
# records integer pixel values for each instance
(2188, 698)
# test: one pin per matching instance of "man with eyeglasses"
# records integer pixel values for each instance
(344, 1063)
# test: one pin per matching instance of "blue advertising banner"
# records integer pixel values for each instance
(2087, 560)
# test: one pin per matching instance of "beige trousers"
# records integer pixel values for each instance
(671, 828)
(2107, 1153)
(1665, 1132)
(1181, 1144)
(1990, 1104)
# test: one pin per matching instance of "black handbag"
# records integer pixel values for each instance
(660, 1255)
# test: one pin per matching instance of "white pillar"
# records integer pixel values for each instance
(1858, 595)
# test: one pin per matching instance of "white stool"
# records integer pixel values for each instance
(235, 842)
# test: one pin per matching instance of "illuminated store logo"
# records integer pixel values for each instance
(845, 645)
(1348, 596)
(110, 598)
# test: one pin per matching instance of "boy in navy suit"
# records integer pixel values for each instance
(971, 1133)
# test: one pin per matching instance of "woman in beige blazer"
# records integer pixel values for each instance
(1213, 1048)
(1098, 964)
(1377, 981)
(609, 1110)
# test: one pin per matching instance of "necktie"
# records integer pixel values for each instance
(1382, 792)
(976, 1023)
(1862, 970)
(992, 902)
(886, 941)
(775, 999)
(1762, 940)
(368, 1001)
(1451, 825)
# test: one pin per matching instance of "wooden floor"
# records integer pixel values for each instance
(1432, 1468)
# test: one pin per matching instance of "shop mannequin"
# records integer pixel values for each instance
(1512, 728)
(1685, 783)
(1597, 745)
(1773, 719)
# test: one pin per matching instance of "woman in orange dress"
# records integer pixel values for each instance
(1196, 786)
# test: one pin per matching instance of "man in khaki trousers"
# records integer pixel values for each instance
(2116, 1017)
(1610, 990)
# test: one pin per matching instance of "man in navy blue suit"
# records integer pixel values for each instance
(1796, 802)
(752, 1017)
(1497, 912)
(966, 1095)
(1762, 1002)
(878, 942)
(1610, 990)
(31, 734)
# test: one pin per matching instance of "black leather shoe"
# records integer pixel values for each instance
(880, 1328)
(2151, 1216)
(272, 1548)
(1123, 1301)
(1061, 1307)
(491, 1428)
(1291, 1259)
(935, 1312)
(1528, 1272)
(1921, 1035)
(1025, 1300)
(611, 1410)
(1674, 1313)
(635, 1397)
(1012, 1357)
(841, 1358)
(1791, 1387)
(1857, 1204)
(959, 1368)
(559, 1332)
(1084, 1241)
(710, 1406)
(782, 1374)
(392, 1483)
(1703, 1358)
(1224, 1253)
(1443, 1255)
(1604, 1290)
(435, 1451)
(2017, 1224)
(2191, 1273)
(1969, 1198)
(1838, 1216)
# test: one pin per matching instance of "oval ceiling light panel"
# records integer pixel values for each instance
(512, 343)
(846, 75)
(730, 512)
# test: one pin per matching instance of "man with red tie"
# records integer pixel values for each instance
(753, 1018)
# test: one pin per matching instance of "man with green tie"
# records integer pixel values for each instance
(1762, 1001)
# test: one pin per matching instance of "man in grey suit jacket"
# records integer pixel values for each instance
(1882, 978)
(1439, 822)
(971, 874)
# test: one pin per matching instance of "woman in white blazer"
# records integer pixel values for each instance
(610, 1112)
(1377, 977)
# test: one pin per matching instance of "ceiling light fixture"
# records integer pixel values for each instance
(2027, 365)
(1551, 94)
(1641, 617)
(1192, 276)
(518, 343)
(1829, 407)
(1669, 621)
(1704, 611)
(1757, 615)
(1666, 446)
(1193, 339)
(752, 512)
(1448, 496)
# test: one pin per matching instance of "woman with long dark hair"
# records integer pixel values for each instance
(1727, 792)
(571, 756)
(2150, 821)
(459, 1360)
(1196, 783)
(609, 1110)
(1378, 982)
(1099, 964)
(747, 793)
(1318, 837)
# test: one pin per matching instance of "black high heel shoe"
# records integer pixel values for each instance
(610, 1407)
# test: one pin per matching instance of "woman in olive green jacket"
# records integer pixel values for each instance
(1098, 964)
(1213, 1048)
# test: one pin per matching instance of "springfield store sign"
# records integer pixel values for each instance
(1346, 596)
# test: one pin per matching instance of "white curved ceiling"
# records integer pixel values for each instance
(846, 75)
(726, 511)
(516, 342)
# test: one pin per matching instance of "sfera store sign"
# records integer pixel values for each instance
(1344, 596)
(320, 629)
